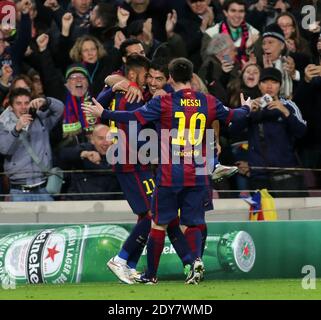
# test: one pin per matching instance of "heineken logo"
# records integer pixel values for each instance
(42, 256)
(34, 268)
(244, 251)
(52, 252)
(168, 249)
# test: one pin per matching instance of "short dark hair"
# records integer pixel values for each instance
(127, 43)
(107, 13)
(181, 70)
(160, 65)
(17, 92)
(227, 4)
(136, 61)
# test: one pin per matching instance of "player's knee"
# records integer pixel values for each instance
(183, 228)
(161, 227)
(144, 215)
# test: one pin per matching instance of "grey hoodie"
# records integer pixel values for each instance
(18, 164)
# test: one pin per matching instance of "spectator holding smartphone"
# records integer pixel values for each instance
(26, 124)
(272, 132)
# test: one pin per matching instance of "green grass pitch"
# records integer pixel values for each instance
(272, 289)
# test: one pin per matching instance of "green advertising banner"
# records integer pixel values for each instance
(78, 253)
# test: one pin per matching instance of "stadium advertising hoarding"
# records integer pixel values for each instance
(78, 253)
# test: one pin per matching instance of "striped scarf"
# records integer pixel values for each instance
(241, 31)
(75, 120)
(286, 90)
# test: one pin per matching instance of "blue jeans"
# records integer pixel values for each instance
(38, 195)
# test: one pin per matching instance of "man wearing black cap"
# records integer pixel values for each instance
(273, 126)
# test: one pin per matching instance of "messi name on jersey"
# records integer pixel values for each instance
(190, 102)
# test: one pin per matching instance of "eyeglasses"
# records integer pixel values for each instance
(77, 77)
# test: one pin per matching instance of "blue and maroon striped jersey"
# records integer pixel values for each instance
(116, 101)
(188, 114)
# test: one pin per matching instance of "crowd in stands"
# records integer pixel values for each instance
(61, 52)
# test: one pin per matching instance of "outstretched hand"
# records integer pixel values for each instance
(247, 102)
(95, 109)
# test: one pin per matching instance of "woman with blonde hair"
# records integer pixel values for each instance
(90, 52)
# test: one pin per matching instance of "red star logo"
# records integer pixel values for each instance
(246, 250)
(52, 252)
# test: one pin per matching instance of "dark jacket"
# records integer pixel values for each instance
(216, 79)
(188, 27)
(272, 136)
(157, 10)
(88, 182)
(18, 162)
(308, 97)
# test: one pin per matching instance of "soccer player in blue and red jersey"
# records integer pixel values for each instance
(181, 179)
(124, 264)
(135, 179)
(128, 48)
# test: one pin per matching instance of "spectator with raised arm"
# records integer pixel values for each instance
(197, 18)
(261, 13)
(219, 66)
(142, 30)
(80, 10)
(102, 24)
(144, 9)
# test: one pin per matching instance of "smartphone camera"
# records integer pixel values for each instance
(227, 58)
(265, 100)
(33, 112)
